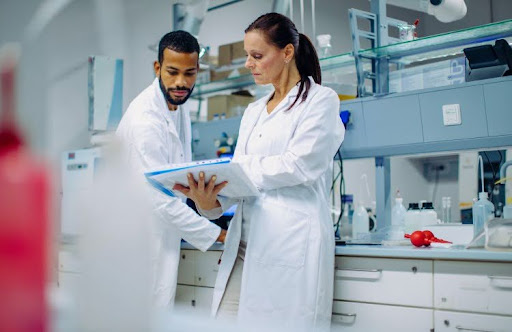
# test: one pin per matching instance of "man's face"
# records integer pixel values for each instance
(177, 75)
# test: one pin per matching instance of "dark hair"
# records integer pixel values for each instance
(280, 31)
(179, 41)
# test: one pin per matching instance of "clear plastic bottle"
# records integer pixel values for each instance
(412, 218)
(324, 46)
(398, 212)
(446, 212)
(360, 222)
(346, 218)
(483, 210)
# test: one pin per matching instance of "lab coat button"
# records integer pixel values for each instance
(260, 135)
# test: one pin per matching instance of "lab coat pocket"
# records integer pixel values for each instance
(279, 235)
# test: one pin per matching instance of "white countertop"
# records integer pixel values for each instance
(457, 253)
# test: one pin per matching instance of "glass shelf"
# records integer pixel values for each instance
(443, 44)
(343, 63)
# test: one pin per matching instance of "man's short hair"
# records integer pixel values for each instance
(179, 41)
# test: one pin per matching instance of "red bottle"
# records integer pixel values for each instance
(24, 222)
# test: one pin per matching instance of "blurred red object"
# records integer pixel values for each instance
(423, 238)
(24, 222)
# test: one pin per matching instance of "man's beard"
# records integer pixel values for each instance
(167, 93)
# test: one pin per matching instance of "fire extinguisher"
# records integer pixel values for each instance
(24, 220)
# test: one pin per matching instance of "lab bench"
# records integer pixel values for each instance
(390, 288)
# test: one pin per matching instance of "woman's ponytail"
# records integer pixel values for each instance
(308, 65)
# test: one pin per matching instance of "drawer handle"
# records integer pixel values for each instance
(344, 315)
(358, 273)
(461, 328)
(501, 281)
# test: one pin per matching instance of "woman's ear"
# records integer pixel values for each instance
(289, 50)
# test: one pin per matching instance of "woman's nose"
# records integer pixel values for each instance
(248, 63)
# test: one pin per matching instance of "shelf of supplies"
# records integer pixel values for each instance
(342, 62)
(443, 44)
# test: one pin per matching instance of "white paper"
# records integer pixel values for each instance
(239, 184)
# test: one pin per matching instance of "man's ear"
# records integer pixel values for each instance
(156, 67)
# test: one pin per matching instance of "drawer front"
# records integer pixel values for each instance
(472, 110)
(383, 280)
(206, 266)
(355, 135)
(364, 317)
(445, 321)
(475, 287)
(187, 269)
(497, 107)
(393, 121)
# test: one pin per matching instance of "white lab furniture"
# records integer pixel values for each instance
(380, 288)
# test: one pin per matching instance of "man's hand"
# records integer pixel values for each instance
(222, 236)
(204, 195)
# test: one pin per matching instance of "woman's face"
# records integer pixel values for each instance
(265, 60)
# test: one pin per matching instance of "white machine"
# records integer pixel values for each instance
(78, 170)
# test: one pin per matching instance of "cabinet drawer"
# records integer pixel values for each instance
(186, 269)
(363, 317)
(445, 321)
(382, 280)
(193, 299)
(472, 110)
(355, 135)
(497, 107)
(207, 266)
(471, 286)
(393, 121)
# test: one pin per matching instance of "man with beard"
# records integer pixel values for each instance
(156, 131)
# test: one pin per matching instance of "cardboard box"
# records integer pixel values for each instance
(230, 105)
(217, 75)
(238, 52)
(231, 53)
(224, 58)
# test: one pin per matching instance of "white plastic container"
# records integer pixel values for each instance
(428, 216)
(412, 218)
(483, 210)
(398, 213)
(360, 222)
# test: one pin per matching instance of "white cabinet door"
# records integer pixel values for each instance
(445, 321)
(473, 286)
(204, 297)
(187, 267)
(185, 298)
(383, 280)
(364, 317)
(207, 266)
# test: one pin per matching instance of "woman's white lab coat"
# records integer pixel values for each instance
(288, 272)
(151, 139)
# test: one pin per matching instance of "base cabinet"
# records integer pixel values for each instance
(194, 299)
(354, 316)
(445, 321)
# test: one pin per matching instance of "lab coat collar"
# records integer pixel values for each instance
(291, 94)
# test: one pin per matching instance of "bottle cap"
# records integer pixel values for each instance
(428, 205)
(414, 206)
(482, 195)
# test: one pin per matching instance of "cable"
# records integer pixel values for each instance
(493, 177)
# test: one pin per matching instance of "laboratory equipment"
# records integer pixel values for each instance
(498, 234)
(324, 46)
(483, 209)
(412, 218)
(79, 168)
(446, 212)
(398, 218)
(487, 61)
(360, 222)
(507, 209)
(406, 31)
(347, 216)
(444, 10)
(105, 93)
(428, 216)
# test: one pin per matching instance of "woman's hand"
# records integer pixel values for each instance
(204, 195)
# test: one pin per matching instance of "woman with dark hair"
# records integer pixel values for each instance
(277, 268)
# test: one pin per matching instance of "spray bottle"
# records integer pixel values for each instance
(483, 209)
(24, 218)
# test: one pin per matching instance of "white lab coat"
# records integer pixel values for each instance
(288, 273)
(151, 140)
